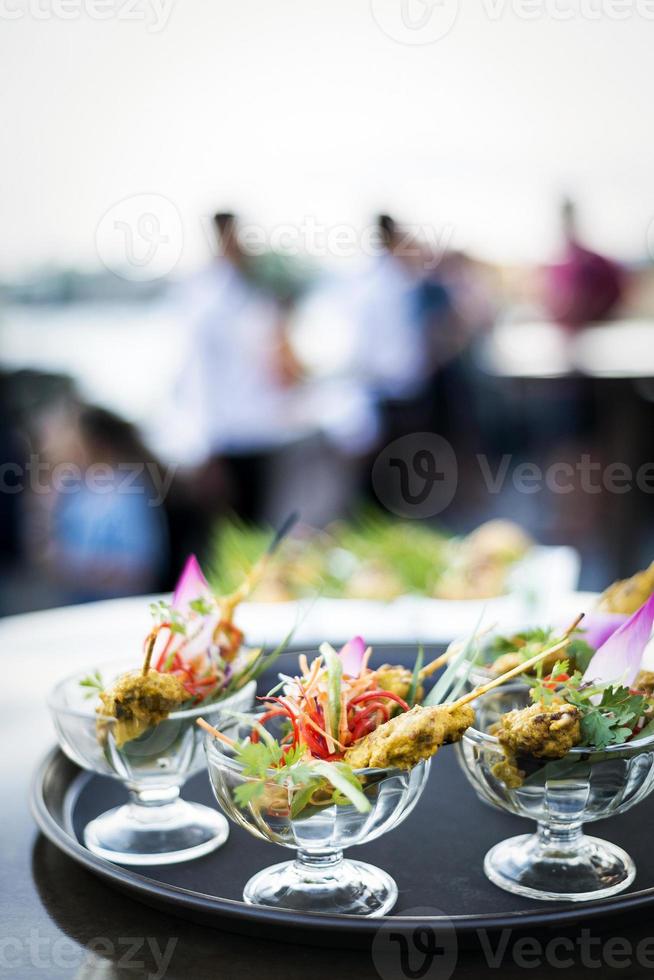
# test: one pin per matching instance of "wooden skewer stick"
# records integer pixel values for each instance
(214, 731)
(229, 602)
(521, 668)
(451, 652)
(152, 639)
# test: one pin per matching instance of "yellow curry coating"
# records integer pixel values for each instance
(409, 738)
(629, 594)
(644, 683)
(398, 680)
(139, 701)
(545, 731)
(542, 731)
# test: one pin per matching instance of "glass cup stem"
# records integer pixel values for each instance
(561, 838)
(317, 865)
(144, 798)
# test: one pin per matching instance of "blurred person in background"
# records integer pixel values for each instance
(106, 532)
(583, 287)
(230, 411)
(387, 303)
(406, 329)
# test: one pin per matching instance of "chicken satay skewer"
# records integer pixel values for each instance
(519, 669)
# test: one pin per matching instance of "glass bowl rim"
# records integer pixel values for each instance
(473, 734)
(61, 709)
(212, 744)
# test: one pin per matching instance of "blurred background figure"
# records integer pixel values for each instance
(270, 376)
(231, 404)
(102, 524)
(584, 286)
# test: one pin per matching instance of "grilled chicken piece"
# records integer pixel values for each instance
(628, 595)
(541, 731)
(398, 680)
(409, 738)
(139, 701)
(644, 683)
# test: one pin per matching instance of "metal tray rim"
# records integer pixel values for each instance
(148, 890)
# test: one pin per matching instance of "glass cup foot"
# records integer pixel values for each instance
(531, 866)
(150, 835)
(342, 886)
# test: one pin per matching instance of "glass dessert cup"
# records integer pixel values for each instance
(559, 862)
(156, 826)
(320, 879)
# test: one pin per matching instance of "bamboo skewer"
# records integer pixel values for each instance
(451, 652)
(152, 639)
(214, 731)
(229, 602)
(520, 669)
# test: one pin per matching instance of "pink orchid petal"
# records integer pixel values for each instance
(352, 656)
(191, 585)
(597, 627)
(619, 658)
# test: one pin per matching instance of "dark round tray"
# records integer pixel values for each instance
(435, 856)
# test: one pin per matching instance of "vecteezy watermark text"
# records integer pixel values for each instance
(42, 477)
(144, 955)
(418, 475)
(429, 949)
(315, 239)
(415, 22)
(155, 14)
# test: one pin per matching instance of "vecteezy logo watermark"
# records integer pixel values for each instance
(144, 955)
(426, 951)
(424, 243)
(415, 21)
(416, 476)
(567, 10)
(141, 237)
(41, 477)
(153, 13)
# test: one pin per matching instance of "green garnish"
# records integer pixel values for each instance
(266, 763)
(608, 713)
(164, 613)
(334, 676)
(94, 682)
(415, 677)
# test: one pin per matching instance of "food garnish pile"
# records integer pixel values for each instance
(339, 715)
(611, 703)
(344, 725)
(619, 601)
(194, 655)
(376, 557)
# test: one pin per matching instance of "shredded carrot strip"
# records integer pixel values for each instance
(324, 734)
(313, 676)
(324, 704)
(343, 729)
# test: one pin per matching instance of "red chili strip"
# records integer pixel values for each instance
(369, 695)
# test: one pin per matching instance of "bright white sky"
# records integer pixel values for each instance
(285, 109)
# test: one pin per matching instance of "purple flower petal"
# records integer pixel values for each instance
(191, 585)
(597, 627)
(352, 656)
(619, 658)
